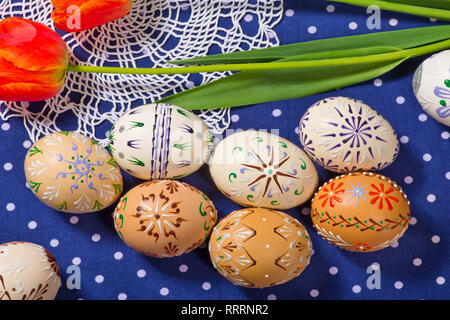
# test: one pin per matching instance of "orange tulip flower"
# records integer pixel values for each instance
(78, 15)
(33, 61)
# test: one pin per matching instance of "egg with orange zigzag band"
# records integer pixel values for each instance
(361, 212)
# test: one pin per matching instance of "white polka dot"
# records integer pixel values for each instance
(8, 166)
(32, 225)
(76, 261)
(378, 82)
(289, 13)
(206, 286)
(248, 18)
(412, 221)
(271, 297)
(408, 179)
(393, 22)
(333, 270)
(440, 280)
(394, 244)
(423, 117)
(330, 8)
(398, 285)
(445, 135)
(99, 279)
(164, 291)
(353, 25)
(26, 144)
(306, 211)
(54, 243)
(435, 239)
(25, 104)
(375, 266)
(271, 34)
(404, 139)
(417, 262)
(118, 255)
(122, 296)
(183, 268)
(185, 6)
(433, 19)
(27, 185)
(96, 237)
(356, 289)
(312, 29)
(427, 157)
(447, 175)
(234, 118)
(314, 293)
(74, 219)
(276, 112)
(431, 198)
(400, 100)
(141, 273)
(5, 126)
(10, 206)
(296, 130)
(190, 84)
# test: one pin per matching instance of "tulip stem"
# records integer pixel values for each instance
(396, 55)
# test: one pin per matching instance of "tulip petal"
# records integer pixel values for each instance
(28, 91)
(92, 12)
(38, 48)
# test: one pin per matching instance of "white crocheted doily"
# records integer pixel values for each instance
(152, 33)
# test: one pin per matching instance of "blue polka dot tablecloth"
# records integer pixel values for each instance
(415, 267)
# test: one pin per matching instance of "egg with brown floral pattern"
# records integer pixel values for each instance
(28, 272)
(164, 218)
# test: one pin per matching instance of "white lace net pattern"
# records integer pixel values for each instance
(155, 31)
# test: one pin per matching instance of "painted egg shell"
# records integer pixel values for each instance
(72, 173)
(164, 218)
(345, 135)
(28, 272)
(260, 169)
(259, 248)
(360, 212)
(431, 85)
(159, 141)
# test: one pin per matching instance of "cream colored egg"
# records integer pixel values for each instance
(345, 135)
(431, 85)
(28, 272)
(259, 248)
(260, 169)
(72, 173)
(159, 141)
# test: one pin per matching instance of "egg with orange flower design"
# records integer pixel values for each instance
(361, 212)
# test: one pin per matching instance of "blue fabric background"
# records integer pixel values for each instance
(401, 278)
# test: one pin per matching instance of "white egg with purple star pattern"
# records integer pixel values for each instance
(160, 141)
(345, 135)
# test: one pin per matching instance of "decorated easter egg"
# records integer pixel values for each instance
(28, 272)
(360, 211)
(159, 141)
(260, 169)
(72, 173)
(164, 218)
(345, 135)
(259, 248)
(431, 85)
